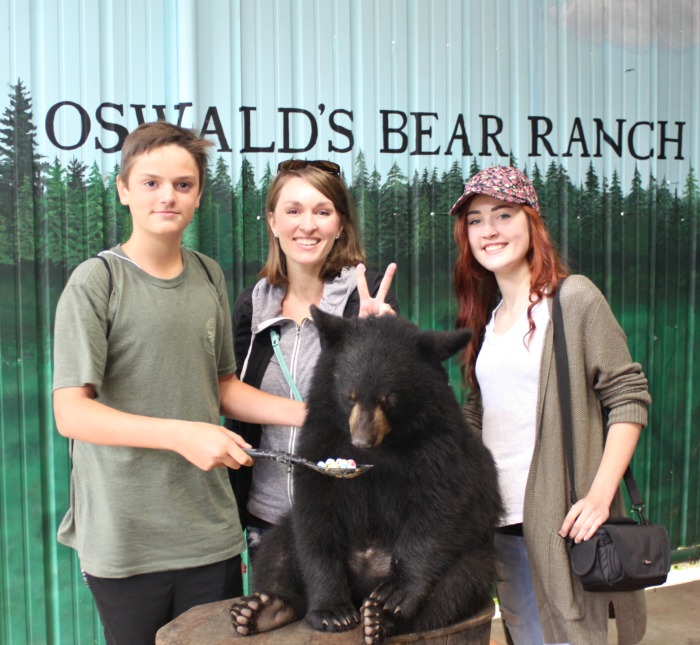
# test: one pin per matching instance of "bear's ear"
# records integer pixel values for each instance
(331, 328)
(443, 344)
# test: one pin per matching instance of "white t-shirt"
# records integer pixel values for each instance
(508, 369)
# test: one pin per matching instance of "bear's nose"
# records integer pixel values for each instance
(368, 427)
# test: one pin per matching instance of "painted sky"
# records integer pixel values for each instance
(405, 81)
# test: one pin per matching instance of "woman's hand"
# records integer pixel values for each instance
(374, 306)
(584, 518)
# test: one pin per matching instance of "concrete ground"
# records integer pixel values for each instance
(673, 612)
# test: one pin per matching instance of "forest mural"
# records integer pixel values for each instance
(639, 244)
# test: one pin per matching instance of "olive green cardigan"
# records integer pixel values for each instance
(601, 371)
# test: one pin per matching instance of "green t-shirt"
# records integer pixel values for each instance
(135, 510)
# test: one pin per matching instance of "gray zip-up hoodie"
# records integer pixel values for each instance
(272, 492)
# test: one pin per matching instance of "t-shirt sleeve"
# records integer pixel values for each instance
(80, 331)
(227, 358)
(227, 361)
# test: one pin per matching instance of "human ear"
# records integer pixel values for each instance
(123, 191)
(270, 222)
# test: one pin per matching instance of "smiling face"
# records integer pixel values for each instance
(162, 191)
(306, 223)
(499, 235)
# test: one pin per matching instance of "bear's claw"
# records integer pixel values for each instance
(340, 619)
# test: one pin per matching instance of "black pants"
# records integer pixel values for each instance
(133, 609)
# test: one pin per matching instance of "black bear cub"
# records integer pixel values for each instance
(407, 546)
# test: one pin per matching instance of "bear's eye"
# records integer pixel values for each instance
(352, 395)
(387, 401)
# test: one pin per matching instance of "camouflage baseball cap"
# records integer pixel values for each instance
(501, 182)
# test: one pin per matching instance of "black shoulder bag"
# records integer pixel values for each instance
(622, 555)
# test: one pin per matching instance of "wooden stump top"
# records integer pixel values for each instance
(211, 625)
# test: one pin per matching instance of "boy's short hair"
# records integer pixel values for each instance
(149, 136)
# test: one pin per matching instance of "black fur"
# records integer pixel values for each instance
(412, 538)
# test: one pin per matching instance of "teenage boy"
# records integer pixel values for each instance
(144, 369)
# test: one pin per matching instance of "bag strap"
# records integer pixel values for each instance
(110, 287)
(204, 266)
(564, 385)
(275, 338)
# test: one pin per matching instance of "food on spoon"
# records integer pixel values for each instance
(340, 464)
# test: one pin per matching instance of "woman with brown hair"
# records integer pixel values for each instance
(505, 277)
(314, 258)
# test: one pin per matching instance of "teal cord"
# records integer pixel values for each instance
(275, 337)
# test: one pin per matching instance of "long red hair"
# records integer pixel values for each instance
(477, 290)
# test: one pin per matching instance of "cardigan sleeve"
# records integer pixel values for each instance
(619, 382)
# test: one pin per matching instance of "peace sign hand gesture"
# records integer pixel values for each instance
(376, 306)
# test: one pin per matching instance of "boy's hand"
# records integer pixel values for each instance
(374, 306)
(210, 446)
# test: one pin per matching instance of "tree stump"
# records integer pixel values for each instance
(211, 625)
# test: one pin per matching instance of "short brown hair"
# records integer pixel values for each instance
(347, 251)
(149, 136)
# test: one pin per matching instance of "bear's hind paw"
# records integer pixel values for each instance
(260, 613)
(373, 627)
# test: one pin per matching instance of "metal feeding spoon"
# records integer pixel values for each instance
(288, 458)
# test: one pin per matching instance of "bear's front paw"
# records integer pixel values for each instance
(396, 599)
(338, 619)
(260, 613)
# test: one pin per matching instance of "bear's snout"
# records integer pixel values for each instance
(368, 427)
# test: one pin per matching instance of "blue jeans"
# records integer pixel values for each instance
(516, 595)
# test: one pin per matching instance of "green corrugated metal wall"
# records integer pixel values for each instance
(75, 73)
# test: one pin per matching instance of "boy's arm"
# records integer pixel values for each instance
(249, 404)
(79, 416)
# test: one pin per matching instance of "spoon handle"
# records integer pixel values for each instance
(278, 455)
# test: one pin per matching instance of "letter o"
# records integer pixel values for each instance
(84, 125)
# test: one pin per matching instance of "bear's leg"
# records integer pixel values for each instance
(278, 597)
(463, 590)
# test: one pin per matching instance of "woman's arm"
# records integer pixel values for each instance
(246, 403)
(621, 388)
(584, 517)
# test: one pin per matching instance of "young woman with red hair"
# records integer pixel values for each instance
(505, 277)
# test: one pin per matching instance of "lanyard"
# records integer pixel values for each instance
(275, 337)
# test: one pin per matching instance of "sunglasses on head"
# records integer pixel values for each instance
(297, 164)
